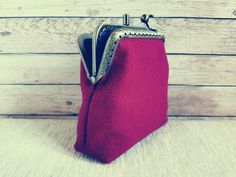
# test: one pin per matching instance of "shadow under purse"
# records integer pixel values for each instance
(124, 83)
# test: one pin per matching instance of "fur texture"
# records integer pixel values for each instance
(191, 148)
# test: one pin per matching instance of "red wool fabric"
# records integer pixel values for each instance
(127, 104)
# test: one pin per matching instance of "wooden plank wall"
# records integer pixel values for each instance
(39, 60)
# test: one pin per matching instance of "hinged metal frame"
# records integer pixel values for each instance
(113, 41)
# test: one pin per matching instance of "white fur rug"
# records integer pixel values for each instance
(183, 148)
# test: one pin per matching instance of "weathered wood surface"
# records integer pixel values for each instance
(66, 99)
(39, 59)
(39, 99)
(93, 8)
(59, 35)
(39, 69)
(64, 69)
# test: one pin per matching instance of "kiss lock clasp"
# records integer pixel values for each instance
(144, 19)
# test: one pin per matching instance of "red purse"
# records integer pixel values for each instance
(124, 83)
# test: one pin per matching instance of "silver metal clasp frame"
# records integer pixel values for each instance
(115, 34)
(144, 19)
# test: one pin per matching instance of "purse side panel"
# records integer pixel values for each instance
(130, 101)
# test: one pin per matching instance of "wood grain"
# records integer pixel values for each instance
(39, 69)
(202, 70)
(66, 100)
(202, 101)
(92, 8)
(39, 99)
(59, 35)
(64, 69)
(39, 59)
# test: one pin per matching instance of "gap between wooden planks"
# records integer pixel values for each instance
(75, 117)
(93, 8)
